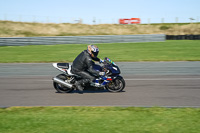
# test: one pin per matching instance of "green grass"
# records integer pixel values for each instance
(99, 120)
(181, 50)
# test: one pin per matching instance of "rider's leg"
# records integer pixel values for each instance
(86, 77)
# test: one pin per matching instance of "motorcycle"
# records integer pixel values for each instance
(112, 81)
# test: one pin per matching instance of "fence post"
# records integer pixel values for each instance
(149, 21)
(162, 20)
(176, 19)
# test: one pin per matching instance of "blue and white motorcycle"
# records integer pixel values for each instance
(112, 81)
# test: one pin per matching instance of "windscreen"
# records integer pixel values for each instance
(110, 61)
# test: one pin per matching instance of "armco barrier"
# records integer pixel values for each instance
(182, 37)
(21, 41)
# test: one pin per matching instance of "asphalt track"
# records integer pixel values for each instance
(166, 84)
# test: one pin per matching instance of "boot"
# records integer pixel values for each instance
(79, 86)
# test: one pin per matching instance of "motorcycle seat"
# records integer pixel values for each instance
(63, 65)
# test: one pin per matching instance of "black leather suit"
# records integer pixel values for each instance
(83, 66)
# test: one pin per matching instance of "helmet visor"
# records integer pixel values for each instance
(95, 53)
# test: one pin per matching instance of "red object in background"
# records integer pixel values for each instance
(130, 21)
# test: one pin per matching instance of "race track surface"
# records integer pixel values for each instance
(168, 84)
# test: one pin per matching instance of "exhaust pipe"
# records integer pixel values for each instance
(59, 81)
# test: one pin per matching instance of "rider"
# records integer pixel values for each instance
(83, 66)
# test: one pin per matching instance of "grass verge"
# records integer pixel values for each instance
(24, 29)
(184, 50)
(99, 120)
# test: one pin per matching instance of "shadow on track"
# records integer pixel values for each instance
(91, 91)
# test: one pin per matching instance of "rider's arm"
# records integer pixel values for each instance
(96, 59)
(91, 70)
(90, 63)
(97, 73)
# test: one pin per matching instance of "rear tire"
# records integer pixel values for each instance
(60, 88)
(117, 85)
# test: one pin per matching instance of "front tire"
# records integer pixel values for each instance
(60, 88)
(117, 85)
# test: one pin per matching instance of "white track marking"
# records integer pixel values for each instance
(150, 79)
(164, 79)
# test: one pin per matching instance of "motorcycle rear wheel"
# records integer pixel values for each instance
(117, 85)
(60, 88)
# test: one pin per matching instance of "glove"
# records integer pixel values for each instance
(101, 73)
(101, 61)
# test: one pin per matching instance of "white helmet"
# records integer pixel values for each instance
(93, 50)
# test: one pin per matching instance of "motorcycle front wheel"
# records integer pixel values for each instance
(117, 85)
(60, 88)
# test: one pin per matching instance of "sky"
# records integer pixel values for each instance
(100, 11)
